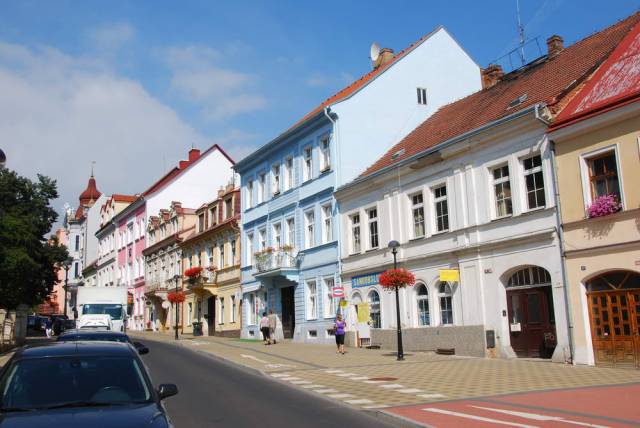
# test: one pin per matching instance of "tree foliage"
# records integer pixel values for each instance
(28, 262)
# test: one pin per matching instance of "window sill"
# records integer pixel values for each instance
(502, 218)
(417, 238)
(325, 170)
(370, 250)
(311, 319)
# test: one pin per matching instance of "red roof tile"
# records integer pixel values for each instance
(91, 193)
(617, 81)
(124, 198)
(542, 81)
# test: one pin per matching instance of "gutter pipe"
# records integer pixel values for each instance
(563, 263)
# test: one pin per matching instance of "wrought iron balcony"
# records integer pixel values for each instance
(275, 261)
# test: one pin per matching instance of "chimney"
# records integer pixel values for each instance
(385, 57)
(491, 75)
(194, 154)
(220, 192)
(183, 164)
(555, 45)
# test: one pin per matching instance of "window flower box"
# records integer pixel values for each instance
(603, 206)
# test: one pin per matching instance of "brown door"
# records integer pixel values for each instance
(288, 312)
(531, 322)
(211, 315)
(615, 327)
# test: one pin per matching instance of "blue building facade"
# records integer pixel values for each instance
(290, 248)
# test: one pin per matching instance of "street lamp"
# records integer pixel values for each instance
(394, 250)
(66, 265)
(176, 277)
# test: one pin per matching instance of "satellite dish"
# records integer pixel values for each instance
(375, 51)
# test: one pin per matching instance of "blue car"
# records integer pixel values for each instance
(80, 384)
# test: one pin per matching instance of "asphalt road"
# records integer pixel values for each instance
(215, 393)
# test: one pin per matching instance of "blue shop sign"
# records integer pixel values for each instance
(365, 280)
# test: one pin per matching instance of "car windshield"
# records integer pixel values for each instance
(41, 383)
(112, 309)
(91, 337)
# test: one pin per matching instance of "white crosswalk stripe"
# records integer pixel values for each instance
(477, 418)
(409, 391)
(391, 386)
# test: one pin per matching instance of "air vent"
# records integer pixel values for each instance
(397, 154)
(518, 101)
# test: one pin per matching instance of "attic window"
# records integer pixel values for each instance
(518, 101)
(422, 96)
(397, 154)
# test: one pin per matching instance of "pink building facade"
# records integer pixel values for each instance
(131, 227)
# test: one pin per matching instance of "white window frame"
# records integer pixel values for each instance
(221, 311)
(291, 231)
(309, 229)
(494, 182)
(370, 222)
(262, 239)
(250, 237)
(262, 187)
(234, 308)
(584, 171)
(221, 258)
(311, 294)
(249, 192)
(355, 249)
(532, 171)
(445, 295)
(289, 173)
(414, 208)
(329, 302)
(276, 171)
(418, 299)
(325, 154)
(307, 163)
(276, 230)
(436, 201)
(327, 223)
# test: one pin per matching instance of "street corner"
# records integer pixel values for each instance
(601, 407)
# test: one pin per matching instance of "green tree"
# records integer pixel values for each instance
(28, 261)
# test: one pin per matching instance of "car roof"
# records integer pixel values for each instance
(92, 332)
(76, 348)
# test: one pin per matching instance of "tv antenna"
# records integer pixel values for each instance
(520, 34)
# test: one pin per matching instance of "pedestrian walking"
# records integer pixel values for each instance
(339, 332)
(264, 328)
(47, 327)
(273, 321)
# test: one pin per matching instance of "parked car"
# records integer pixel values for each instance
(80, 384)
(103, 335)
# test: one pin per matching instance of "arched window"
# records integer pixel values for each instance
(374, 308)
(615, 280)
(530, 276)
(446, 303)
(422, 298)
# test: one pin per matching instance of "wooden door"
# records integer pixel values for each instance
(288, 312)
(615, 327)
(531, 322)
(211, 315)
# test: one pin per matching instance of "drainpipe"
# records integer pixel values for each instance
(563, 264)
(338, 224)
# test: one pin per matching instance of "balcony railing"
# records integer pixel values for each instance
(156, 285)
(278, 259)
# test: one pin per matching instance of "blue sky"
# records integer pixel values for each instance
(117, 82)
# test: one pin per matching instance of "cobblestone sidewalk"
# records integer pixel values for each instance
(374, 379)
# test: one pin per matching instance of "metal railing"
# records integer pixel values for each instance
(278, 259)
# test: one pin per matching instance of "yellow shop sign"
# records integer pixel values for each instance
(449, 275)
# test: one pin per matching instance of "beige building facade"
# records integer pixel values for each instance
(597, 145)
(213, 296)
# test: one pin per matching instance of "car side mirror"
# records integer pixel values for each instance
(167, 390)
(141, 348)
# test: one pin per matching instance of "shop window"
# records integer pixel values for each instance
(446, 303)
(422, 298)
(329, 301)
(374, 309)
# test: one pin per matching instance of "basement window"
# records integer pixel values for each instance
(312, 334)
(422, 96)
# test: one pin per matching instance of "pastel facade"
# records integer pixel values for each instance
(162, 258)
(290, 260)
(597, 140)
(214, 298)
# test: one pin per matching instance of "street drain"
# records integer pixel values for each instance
(386, 379)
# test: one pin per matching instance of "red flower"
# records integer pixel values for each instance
(193, 272)
(176, 297)
(397, 278)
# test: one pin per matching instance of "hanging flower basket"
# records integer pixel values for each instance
(193, 272)
(176, 297)
(604, 205)
(393, 278)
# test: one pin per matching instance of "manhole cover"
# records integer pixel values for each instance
(383, 378)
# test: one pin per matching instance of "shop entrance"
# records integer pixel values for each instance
(532, 327)
(614, 315)
(288, 312)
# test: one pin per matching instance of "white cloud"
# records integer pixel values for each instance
(318, 79)
(58, 113)
(220, 92)
(113, 35)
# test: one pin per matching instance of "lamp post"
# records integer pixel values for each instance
(394, 250)
(66, 265)
(176, 277)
